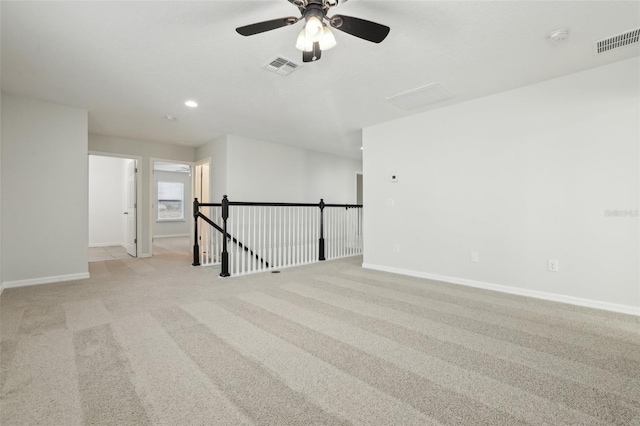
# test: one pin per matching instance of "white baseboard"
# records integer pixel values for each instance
(143, 255)
(171, 236)
(105, 245)
(45, 280)
(589, 303)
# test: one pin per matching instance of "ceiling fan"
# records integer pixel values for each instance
(316, 35)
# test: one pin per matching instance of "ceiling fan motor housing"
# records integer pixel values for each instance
(314, 9)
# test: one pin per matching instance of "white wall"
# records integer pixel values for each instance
(173, 228)
(520, 177)
(107, 201)
(1, 281)
(44, 192)
(217, 151)
(145, 150)
(265, 171)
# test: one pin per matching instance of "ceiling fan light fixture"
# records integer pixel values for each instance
(304, 43)
(313, 29)
(328, 40)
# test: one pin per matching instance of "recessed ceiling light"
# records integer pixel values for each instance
(170, 118)
(191, 104)
(362, 148)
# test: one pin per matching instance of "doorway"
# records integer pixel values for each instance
(171, 206)
(359, 195)
(113, 202)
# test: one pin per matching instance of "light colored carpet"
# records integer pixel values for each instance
(171, 244)
(98, 254)
(156, 341)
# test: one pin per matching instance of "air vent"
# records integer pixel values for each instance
(282, 66)
(422, 96)
(617, 41)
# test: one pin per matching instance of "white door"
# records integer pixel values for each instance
(131, 208)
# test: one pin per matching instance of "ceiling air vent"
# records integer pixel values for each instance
(422, 96)
(282, 66)
(616, 41)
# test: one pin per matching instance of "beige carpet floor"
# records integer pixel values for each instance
(98, 254)
(156, 341)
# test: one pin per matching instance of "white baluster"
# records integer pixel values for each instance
(237, 237)
(280, 236)
(288, 239)
(271, 229)
(205, 250)
(256, 232)
(297, 214)
(243, 252)
(330, 232)
(342, 245)
(250, 234)
(203, 241)
(258, 238)
(305, 235)
(316, 230)
(333, 233)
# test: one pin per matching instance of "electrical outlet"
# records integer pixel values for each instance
(390, 202)
(553, 265)
(475, 257)
(396, 248)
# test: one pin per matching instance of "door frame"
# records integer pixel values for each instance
(199, 163)
(188, 202)
(138, 161)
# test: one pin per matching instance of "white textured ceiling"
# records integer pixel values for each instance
(131, 63)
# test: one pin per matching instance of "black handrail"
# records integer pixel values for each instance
(225, 216)
(270, 204)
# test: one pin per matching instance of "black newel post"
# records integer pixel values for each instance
(196, 248)
(321, 240)
(225, 255)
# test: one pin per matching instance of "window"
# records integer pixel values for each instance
(170, 201)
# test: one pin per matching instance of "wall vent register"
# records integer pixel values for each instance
(282, 66)
(617, 41)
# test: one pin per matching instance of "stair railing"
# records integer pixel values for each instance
(248, 237)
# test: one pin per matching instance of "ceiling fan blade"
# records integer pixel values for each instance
(261, 27)
(314, 55)
(361, 28)
(300, 4)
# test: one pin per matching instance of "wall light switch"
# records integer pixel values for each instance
(390, 202)
(394, 178)
(475, 258)
(396, 248)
